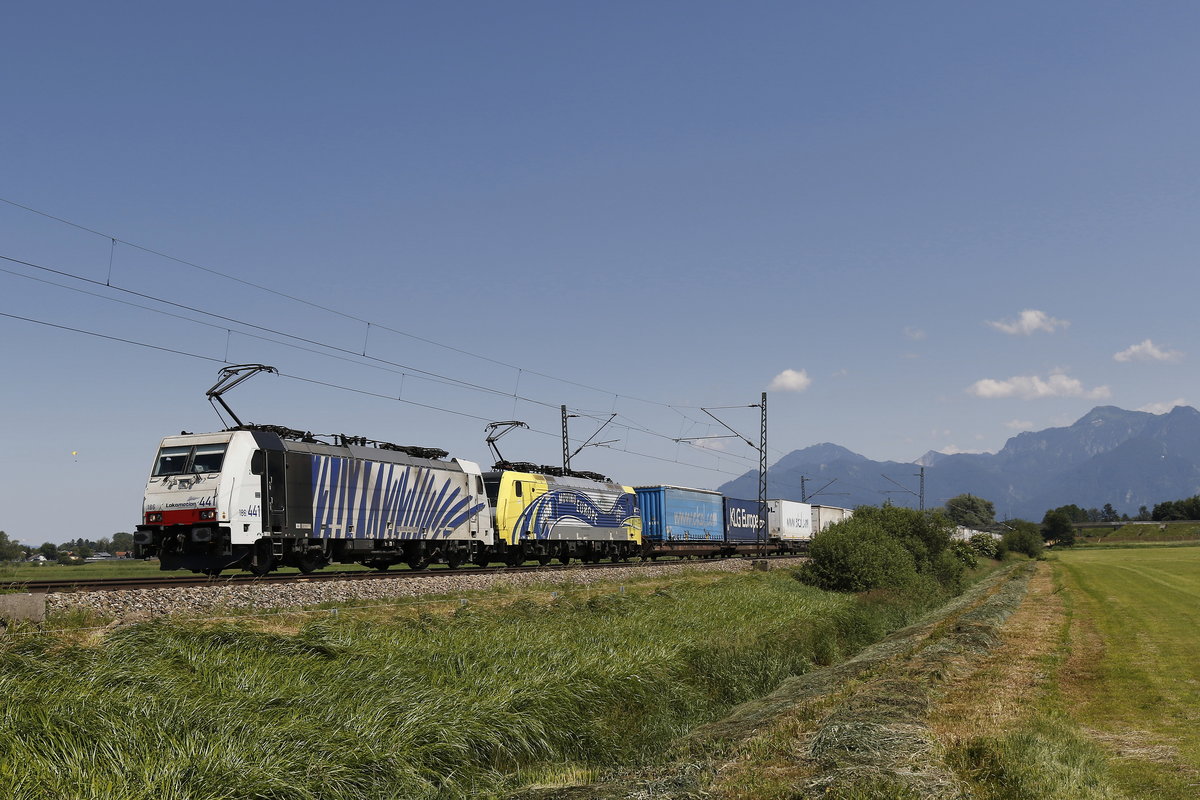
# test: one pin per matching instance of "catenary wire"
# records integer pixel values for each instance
(349, 356)
(318, 382)
(337, 312)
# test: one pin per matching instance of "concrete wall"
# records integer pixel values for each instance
(23, 606)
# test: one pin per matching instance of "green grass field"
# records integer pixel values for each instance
(1133, 674)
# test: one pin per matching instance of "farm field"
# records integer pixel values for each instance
(1095, 689)
(1076, 678)
(1133, 674)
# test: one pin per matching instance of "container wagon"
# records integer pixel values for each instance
(680, 521)
(741, 528)
(789, 524)
(824, 516)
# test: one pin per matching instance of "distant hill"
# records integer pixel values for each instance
(1127, 458)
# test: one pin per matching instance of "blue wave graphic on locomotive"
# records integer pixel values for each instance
(369, 495)
(540, 516)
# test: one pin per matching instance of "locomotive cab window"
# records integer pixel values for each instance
(172, 461)
(181, 460)
(208, 458)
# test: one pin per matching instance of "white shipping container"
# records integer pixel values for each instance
(824, 516)
(789, 521)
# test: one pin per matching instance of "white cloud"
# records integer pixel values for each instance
(790, 380)
(1019, 425)
(841, 373)
(709, 444)
(916, 334)
(1030, 387)
(1029, 322)
(1147, 351)
(1162, 408)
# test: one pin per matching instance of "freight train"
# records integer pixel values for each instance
(260, 497)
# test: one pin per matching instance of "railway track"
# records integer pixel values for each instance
(241, 579)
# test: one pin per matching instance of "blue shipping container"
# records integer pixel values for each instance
(670, 513)
(741, 520)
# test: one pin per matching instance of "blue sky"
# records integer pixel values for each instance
(923, 225)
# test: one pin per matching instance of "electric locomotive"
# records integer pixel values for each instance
(260, 497)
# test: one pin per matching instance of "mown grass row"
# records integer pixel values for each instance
(467, 703)
(1114, 716)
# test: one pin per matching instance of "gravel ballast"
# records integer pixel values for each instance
(129, 605)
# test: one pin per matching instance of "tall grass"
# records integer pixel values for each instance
(459, 705)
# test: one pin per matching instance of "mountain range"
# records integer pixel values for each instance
(1110, 455)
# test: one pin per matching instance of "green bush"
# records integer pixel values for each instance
(1023, 541)
(965, 553)
(949, 570)
(923, 535)
(856, 556)
(985, 545)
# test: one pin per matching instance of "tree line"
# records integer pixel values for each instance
(1057, 524)
(70, 550)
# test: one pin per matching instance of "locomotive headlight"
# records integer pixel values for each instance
(154, 516)
(208, 514)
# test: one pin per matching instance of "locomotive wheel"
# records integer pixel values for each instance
(381, 566)
(418, 562)
(543, 559)
(564, 559)
(215, 572)
(454, 560)
(311, 563)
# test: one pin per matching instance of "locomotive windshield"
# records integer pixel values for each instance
(208, 458)
(189, 459)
